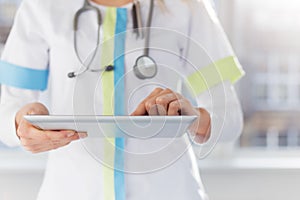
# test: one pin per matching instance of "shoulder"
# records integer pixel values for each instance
(184, 3)
(176, 5)
(51, 12)
(198, 5)
(50, 6)
(46, 16)
(197, 9)
(189, 7)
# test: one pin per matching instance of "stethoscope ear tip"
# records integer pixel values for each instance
(109, 68)
(71, 75)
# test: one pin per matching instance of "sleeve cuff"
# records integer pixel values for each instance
(226, 69)
(23, 77)
(197, 140)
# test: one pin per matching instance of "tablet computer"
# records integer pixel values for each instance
(142, 127)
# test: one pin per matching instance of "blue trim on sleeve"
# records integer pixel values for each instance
(21, 77)
(120, 193)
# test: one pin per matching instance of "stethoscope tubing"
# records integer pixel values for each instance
(148, 26)
(88, 7)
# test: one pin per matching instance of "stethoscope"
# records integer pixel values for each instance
(144, 68)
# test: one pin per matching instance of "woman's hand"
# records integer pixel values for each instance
(36, 140)
(166, 102)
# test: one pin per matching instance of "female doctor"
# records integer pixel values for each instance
(52, 53)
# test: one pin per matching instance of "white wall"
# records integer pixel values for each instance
(21, 174)
(252, 184)
(220, 185)
(235, 178)
(19, 185)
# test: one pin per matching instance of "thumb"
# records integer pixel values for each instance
(37, 112)
(37, 109)
(31, 112)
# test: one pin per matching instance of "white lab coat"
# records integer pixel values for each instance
(42, 38)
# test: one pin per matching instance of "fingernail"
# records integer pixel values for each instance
(31, 112)
(82, 135)
(70, 134)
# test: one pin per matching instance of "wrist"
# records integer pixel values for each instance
(201, 128)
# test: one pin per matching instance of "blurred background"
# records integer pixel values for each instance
(264, 163)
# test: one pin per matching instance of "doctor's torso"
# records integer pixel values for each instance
(82, 161)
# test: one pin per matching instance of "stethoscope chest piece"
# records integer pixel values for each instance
(145, 67)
